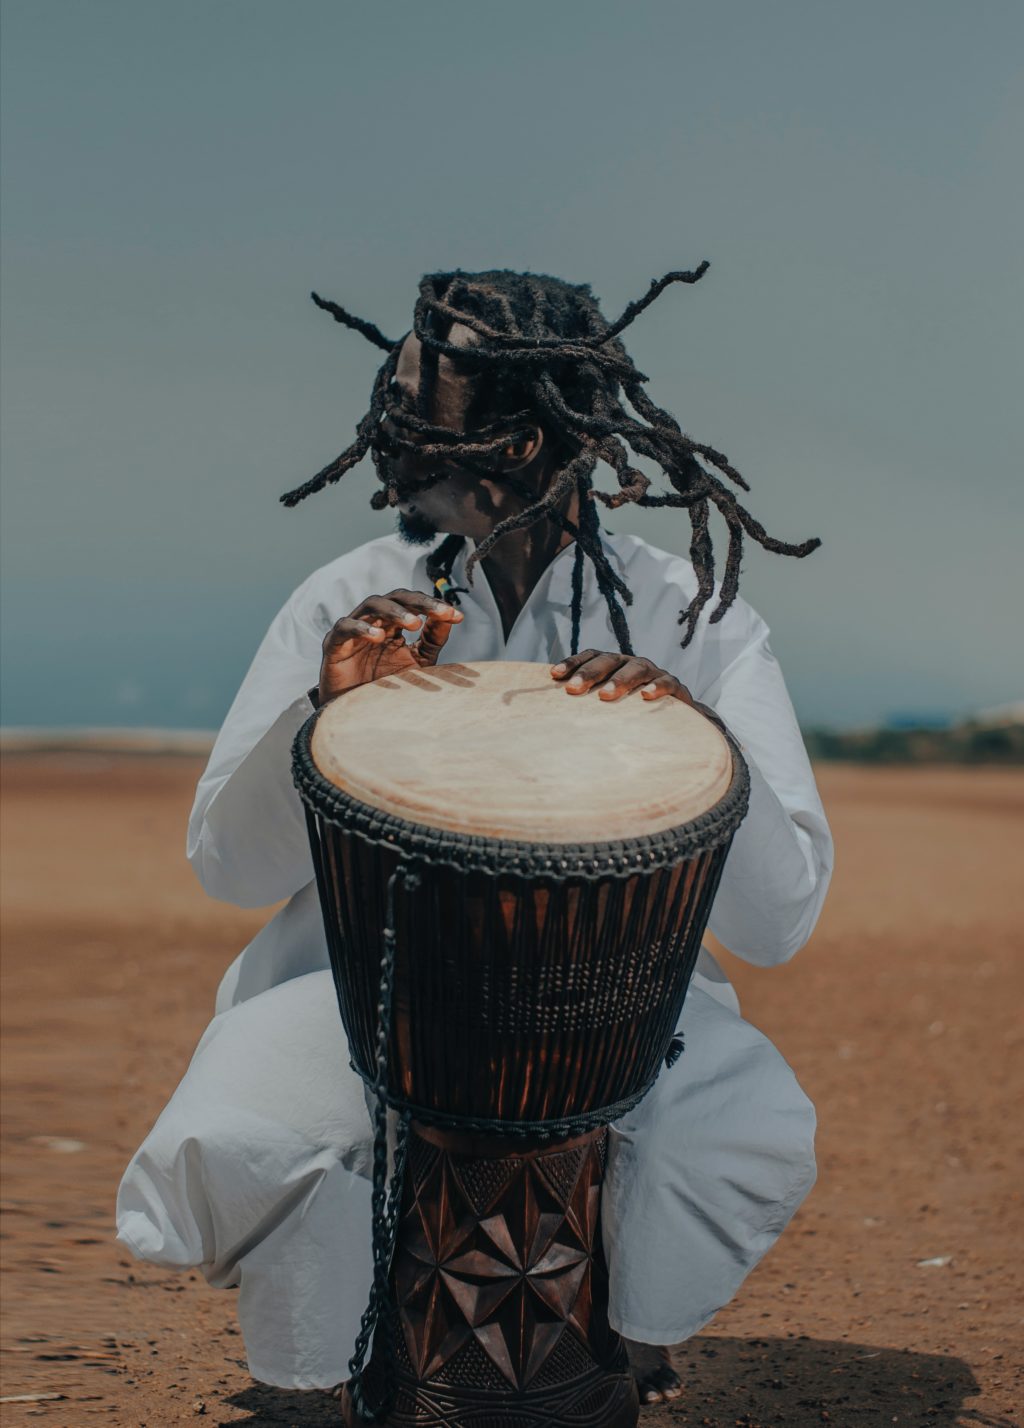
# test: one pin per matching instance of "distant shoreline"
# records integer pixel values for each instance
(969, 744)
(187, 742)
(974, 743)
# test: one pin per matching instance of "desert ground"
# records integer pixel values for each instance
(894, 1297)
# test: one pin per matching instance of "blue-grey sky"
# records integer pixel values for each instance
(178, 176)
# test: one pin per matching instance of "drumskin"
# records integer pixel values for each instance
(257, 1169)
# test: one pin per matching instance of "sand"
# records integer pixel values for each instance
(894, 1297)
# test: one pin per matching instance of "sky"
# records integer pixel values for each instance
(177, 177)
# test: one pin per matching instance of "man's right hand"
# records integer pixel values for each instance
(371, 643)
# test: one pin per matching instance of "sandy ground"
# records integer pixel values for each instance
(902, 1019)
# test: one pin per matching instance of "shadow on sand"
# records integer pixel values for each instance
(804, 1383)
(755, 1383)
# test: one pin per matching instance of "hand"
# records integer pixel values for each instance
(616, 675)
(371, 643)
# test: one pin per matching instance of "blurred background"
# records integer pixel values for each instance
(178, 177)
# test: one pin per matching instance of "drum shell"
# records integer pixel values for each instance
(516, 999)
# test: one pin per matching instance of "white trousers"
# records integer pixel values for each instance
(258, 1171)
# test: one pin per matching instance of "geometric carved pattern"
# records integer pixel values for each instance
(570, 1358)
(470, 1368)
(500, 1287)
(484, 1180)
(421, 1156)
(563, 1169)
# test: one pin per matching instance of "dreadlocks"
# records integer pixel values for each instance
(544, 351)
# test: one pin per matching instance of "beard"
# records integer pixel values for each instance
(416, 530)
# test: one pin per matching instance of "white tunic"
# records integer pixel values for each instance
(258, 1169)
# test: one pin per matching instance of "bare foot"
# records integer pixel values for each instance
(656, 1379)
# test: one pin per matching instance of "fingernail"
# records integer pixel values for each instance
(576, 682)
(648, 689)
(558, 669)
(607, 689)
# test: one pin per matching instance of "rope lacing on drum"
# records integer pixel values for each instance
(379, 1317)
(466, 852)
(386, 1199)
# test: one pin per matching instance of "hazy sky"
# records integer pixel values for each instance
(178, 176)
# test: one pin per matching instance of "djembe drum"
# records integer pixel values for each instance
(514, 885)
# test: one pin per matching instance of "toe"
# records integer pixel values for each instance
(661, 1385)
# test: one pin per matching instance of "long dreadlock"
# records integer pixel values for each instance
(544, 352)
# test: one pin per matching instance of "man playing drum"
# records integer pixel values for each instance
(486, 426)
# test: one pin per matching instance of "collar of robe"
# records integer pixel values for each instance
(555, 584)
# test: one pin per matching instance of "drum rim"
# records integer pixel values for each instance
(471, 852)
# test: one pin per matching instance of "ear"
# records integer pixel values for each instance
(525, 449)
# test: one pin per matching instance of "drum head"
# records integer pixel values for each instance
(498, 749)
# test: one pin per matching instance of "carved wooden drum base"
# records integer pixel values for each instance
(501, 1289)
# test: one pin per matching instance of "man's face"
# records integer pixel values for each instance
(462, 502)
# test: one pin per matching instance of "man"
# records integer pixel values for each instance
(486, 425)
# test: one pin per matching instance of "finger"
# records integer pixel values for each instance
(427, 605)
(595, 671)
(391, 614)
(434, 635)
(347, 635)
(629, 676)
(663, 685)
(571, 663)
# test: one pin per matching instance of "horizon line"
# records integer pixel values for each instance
(155, 739)
(104, 738)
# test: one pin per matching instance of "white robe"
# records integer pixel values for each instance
(258, 1169)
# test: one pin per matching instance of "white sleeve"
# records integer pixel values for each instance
(247, 837)
(780, 863)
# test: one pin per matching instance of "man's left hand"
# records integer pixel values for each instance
(616, 675)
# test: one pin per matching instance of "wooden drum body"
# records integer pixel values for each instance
(531, 982)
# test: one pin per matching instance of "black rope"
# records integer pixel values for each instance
(562, 1128)
(386, 1198)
